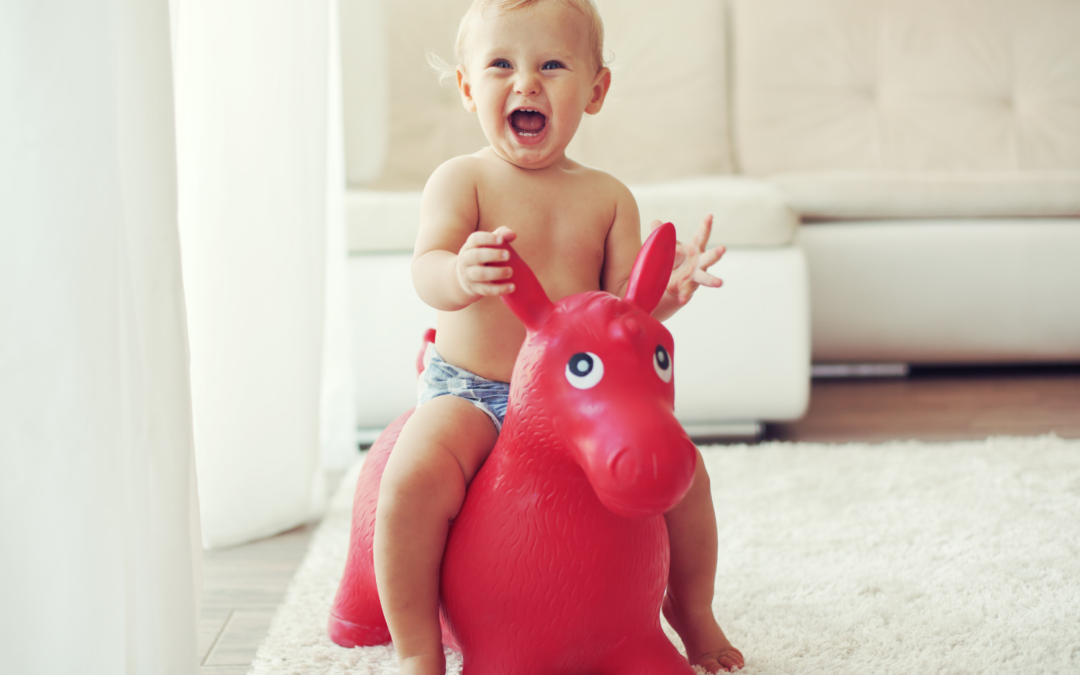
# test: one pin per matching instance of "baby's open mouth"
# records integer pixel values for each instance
(528, 122)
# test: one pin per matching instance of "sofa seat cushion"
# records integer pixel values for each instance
(944, 290)
(822, 195)
(747, 212)
(739, 362)
(381, 221)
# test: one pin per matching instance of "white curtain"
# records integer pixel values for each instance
(99, 560)
(259, 217)
(338, 409)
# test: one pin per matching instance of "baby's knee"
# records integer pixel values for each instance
(428, 478)
(701, 476)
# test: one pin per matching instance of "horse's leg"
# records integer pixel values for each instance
(499, 666)
(649, 655)
(356, 618)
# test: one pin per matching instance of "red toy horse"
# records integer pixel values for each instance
(558, 560)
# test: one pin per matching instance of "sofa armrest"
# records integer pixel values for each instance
(746, 211)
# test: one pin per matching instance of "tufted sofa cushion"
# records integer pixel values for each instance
(426, 123)
(907, 85)
(666, 115)
(365, 82)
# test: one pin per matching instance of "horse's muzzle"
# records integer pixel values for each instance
(641, 471)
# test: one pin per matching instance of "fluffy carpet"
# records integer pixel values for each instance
(895, 558)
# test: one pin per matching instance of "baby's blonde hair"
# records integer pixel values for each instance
(478, 8)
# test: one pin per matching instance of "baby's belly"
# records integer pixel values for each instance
(483, 338)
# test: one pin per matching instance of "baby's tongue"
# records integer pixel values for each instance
(527, 121)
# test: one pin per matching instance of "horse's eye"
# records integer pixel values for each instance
(662, 363)
(584, 370)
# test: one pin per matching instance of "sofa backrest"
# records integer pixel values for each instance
(666, 115)
(906, 85)
(365, 83)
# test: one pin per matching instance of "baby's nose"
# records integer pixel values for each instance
(527, 85)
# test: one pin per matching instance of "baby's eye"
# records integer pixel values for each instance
(500, 63)
(552, 65)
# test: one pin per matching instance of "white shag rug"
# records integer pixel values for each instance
(897, 558)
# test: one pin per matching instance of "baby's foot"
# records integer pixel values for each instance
(706, 645)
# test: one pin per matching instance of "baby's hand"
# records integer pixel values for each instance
(691, 262)
(476, 277)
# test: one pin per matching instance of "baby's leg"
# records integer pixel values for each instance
(688, 604)
(440, 449)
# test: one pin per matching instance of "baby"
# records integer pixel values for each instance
(529, 69)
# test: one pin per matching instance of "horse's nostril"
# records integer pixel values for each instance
(619, 466)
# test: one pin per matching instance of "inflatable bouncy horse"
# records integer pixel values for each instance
(558, 560)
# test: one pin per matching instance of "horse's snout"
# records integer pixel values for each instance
(646, 479)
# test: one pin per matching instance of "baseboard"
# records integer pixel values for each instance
(843, 370)
(723, 430)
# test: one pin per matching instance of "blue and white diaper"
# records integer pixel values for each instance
(442, 379)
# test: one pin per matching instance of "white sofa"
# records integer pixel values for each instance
(930, 148)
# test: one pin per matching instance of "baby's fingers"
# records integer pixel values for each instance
(701, 239)
(705, 279)
(504, 234)
(686, 287)
(496, 238)
(710, 257)
(492, 290)
(481, 273)
(484, 255)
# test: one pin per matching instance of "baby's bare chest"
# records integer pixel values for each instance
(561, 233)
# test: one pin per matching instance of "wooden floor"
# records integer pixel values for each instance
(941, 404)
(242, 586)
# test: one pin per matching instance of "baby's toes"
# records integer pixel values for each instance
(727, 660)
(731, 659)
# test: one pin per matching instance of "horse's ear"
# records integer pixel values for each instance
(528, 301)
(652, 269)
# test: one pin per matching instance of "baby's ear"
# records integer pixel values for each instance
(599, 91)
(465, 88)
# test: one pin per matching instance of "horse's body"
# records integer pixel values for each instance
(558, 560)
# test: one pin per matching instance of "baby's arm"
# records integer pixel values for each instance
(449, 263)
(691, 261)
(622, 244)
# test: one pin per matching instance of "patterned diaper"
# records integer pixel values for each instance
(442, 379)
